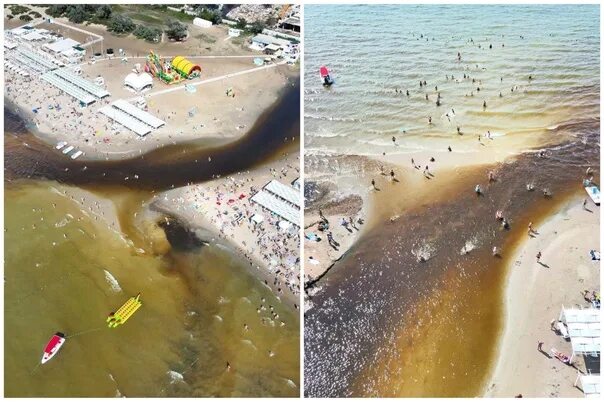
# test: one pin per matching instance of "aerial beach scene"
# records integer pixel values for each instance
(152, 198)
(451, 187)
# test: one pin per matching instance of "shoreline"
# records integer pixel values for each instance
(562, 237)
(131, 146)
(195, 208)
(421, 206)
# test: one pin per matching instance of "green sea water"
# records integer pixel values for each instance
(65, 272)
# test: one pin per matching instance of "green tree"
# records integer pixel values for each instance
(56, 10)
(25, 17)
(241, 23)
(10, 17)
(176, 30)
(77, 14)
(257, 27)
(121, 24)
(150, 34)
(103, 12)
(210, 15)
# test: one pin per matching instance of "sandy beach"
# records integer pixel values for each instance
(207, 116)
(534, 296)
(210, 210)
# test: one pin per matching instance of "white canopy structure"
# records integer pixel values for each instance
(141, 115)
(277, 206)
(67, 87)
(584, 330)
(283, 191)
(590, 385)
(138, 82)
(82, 83)
(131, 117)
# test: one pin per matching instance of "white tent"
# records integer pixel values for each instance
(284, 225)
(257, 218)
(138, 82)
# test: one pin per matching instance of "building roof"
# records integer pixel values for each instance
(292, 21)
(33, 36)
(268, 40)
(62, 45)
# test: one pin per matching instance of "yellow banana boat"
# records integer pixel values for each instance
(125, 312)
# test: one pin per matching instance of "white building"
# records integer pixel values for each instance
(234, 32)
(200, 22)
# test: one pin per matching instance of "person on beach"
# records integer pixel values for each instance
(393, 139)
(427, 97)
(391, 174)
(449, 148)
(530, 228)
(491, 176)
(430, 120)
(458, 130)
(539, 256)
(495, 251)
(407, 92)
(585, 203)
(413, 162)
(373, 184)
(540, 346)
(484, 105)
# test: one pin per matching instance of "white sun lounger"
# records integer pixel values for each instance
(594, 194)
(68, 149)
(562, 328)
(60, 145)
(77, 155)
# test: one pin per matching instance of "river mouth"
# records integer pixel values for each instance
(389, 323)
(276, 130)
(65, 271)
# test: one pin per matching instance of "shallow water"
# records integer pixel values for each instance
(64, 273)
(373, 50)
(384, 323)
(195, 301)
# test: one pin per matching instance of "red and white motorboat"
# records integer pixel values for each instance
(53, 346)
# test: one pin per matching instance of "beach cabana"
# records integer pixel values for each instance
(138, 82)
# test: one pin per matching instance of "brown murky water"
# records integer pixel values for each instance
(65, 272)
(387, 324)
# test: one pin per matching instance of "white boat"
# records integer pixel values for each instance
(594, 194)
(77, 155)
(60, 145)
(68, 149)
